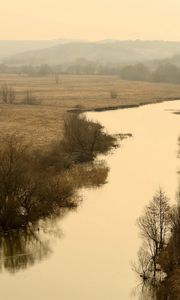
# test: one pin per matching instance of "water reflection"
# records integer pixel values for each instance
(158, 257)
(92, 262)
(150, 289)
(21, 249)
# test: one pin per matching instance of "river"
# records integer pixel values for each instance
(92, 258)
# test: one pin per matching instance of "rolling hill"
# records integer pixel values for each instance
(107, 51)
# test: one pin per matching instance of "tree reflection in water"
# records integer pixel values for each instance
(20, 249)
(151, 289)
(155, 229)
(23, 248)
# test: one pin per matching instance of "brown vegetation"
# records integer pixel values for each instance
(83, 139)
(22, 248)
(28, 194)
(30, 99)
(42, 123)
(36, 185)
(7, 94)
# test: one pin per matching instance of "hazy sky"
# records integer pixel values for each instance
(93, 19)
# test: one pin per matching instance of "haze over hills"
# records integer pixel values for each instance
(13, 47)
(106, 51)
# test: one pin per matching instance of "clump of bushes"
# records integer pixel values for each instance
(30, 99)
(83, 139)
(54, 158)
(35, 186)
(7, 94)
(26, 193)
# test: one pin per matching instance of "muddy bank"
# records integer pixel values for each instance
(106, 108)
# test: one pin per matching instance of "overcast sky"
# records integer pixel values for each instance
(92, 20)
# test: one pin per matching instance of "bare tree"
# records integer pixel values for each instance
(155, 225)
(7, 94)
(28, 194)
(142, 266)
(4, 93)
(12, 95)
(84, 139)
(30, 99)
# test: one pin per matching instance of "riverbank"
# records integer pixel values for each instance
(151, 149)
(95, 249)
(107, 108)
(40, 124)
(39, 184)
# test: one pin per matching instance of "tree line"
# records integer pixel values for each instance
(164, 72)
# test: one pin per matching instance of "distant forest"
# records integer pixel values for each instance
(153, 61)
(158, 71)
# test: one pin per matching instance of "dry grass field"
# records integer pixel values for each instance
(42, 123)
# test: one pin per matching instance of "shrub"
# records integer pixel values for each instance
(7, 94)
(84, 139)
(30, 99)
(27, 194)
(31, 186)
(12, 95)
(54, 159)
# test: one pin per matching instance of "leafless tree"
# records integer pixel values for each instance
(12, 95)
(84, 139)
(4, 93)
(155, 225)
(7, 94)
(30, 99)
(28, 194)
(142, 266)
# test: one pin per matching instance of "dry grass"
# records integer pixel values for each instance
(41, 123)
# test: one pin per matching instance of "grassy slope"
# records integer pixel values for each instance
(41, 123)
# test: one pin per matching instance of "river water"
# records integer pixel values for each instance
(92, 258)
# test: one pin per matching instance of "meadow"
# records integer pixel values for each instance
(42, 123)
